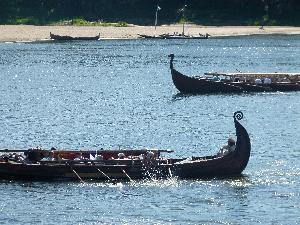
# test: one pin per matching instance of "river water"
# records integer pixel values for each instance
(119, 94)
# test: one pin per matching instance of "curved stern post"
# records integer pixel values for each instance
(171, 61)
(243, 145)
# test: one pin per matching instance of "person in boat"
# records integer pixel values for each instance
(236, 79)
(267, 81)
(4, 158)
(258, 81)
(121, 155)
(50, 157)
(80, 157)
(216, 78)
(148, 158)
(98, 157)
(286, 80)
(150, 155)
(226, 149)
(12, 157)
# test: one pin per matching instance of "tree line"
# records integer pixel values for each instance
(141, 12)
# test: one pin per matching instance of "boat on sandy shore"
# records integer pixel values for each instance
(234, 82)
(35, 164)
(70, 38)
(174, 36)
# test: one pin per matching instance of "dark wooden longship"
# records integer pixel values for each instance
(70, 38)
(215, 166)
(174, 36)
(206, 85)
(135, 164)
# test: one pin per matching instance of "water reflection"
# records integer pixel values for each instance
(180, 96)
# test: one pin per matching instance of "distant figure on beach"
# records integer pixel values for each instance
(226, 149)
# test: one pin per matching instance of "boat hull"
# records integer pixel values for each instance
(191, 85)
(110, 168)
(217, 166)
(69, 38)
(84, 171)
(194, 85)
(185, 37)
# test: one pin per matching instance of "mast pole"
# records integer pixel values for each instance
(183, 16)
(155, 20)
(155, 23)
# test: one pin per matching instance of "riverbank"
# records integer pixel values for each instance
(29, 33)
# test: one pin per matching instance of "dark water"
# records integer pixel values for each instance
(111, 94)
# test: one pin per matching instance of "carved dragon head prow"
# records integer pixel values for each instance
(171, 61)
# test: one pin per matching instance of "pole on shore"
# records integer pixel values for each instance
(155, 23)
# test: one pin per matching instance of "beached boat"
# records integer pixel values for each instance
(70, 38)
(123, 164)
(175, 36)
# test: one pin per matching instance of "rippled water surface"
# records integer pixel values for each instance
(111, 94)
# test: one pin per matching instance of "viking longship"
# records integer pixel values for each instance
(70, 38)
(234, 82)
(53, 164)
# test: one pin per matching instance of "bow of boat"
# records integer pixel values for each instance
(195, 85)
(215, 166)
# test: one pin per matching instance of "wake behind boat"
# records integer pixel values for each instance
(38, 164)
(234, 82)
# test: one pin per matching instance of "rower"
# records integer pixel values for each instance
(98, 157)
(50, 157)
(258, 81)
(226, 149)
(80, 157)
(236, 79)
(121, 155)
(267, 81)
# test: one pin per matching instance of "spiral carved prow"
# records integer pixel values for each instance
(171, 60)
(238, 115)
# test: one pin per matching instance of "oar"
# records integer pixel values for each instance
(127, 175)
(11, 150)
(100, 171)
(170, 172)
(77, 175)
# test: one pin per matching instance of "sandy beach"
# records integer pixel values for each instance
(29, 33)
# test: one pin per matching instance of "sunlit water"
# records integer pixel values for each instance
(119, 94)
